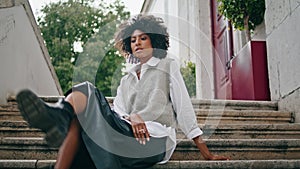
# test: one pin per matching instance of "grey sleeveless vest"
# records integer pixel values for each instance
(150, 96)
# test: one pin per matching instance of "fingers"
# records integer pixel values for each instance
(225, 158)
(147, 135)
(221, 158)
(139, 129)
(141, 133)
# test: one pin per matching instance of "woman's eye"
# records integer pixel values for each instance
(143, 38)
(132, 40)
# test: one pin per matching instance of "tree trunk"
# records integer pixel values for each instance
(247, 31)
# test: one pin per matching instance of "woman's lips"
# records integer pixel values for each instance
(138, 49)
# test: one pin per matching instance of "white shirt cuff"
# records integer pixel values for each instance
(194, 133)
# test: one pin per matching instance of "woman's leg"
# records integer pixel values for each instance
(58, 121)
(70, 146)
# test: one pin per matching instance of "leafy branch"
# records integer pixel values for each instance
(243, 14)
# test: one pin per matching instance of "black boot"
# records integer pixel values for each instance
(53, 119)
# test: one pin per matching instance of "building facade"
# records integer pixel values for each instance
(282, 33)
(190, 37)
(199, 34)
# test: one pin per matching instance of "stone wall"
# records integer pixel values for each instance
(25, 62)
(282, 31)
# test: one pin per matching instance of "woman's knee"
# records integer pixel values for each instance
(78, 100)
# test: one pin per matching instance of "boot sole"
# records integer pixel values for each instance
(34, 112)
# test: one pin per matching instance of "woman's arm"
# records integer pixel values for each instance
(201, 145)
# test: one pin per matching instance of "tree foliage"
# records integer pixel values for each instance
(91, 23)
(189, 76)
(244, 14)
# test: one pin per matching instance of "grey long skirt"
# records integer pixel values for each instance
(108, 141)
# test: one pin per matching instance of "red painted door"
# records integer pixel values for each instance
(222, 41)
(249, 73)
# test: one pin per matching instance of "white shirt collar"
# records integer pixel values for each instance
(153, 61)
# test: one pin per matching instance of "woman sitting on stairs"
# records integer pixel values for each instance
(139, 132)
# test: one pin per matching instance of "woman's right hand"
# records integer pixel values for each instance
(139, 128)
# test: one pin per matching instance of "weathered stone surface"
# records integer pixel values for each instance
(16, 164)
(276, 12)
(191, 164)
(247, 137)
(282, 25)
(6, 3)
(234, 104)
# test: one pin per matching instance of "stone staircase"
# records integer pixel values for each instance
(253, 134)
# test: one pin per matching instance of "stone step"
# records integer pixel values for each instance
(241, 120)
(50, 99)
(243, 117)
(249, 131)
(14, 124)
(11, 115)
(230, 164)
(9, 107)
(234, 104)
(241, 149)
(20, 132)
(197, 103)
(191, 164)
(218, 130)
(209, 117)
(204, 116)
(26, 148)
(242, 113)
(208, 111)
(20, 123)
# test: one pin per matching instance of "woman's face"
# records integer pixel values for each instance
(141, 46)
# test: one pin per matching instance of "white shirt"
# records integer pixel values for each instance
(181, 103)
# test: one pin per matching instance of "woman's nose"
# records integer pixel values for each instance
(137, 41)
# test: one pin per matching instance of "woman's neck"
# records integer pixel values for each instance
(145, 60)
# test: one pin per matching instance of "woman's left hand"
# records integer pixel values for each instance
(201, 145)
(139, 128)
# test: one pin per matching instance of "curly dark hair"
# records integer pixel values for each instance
(152, 26)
